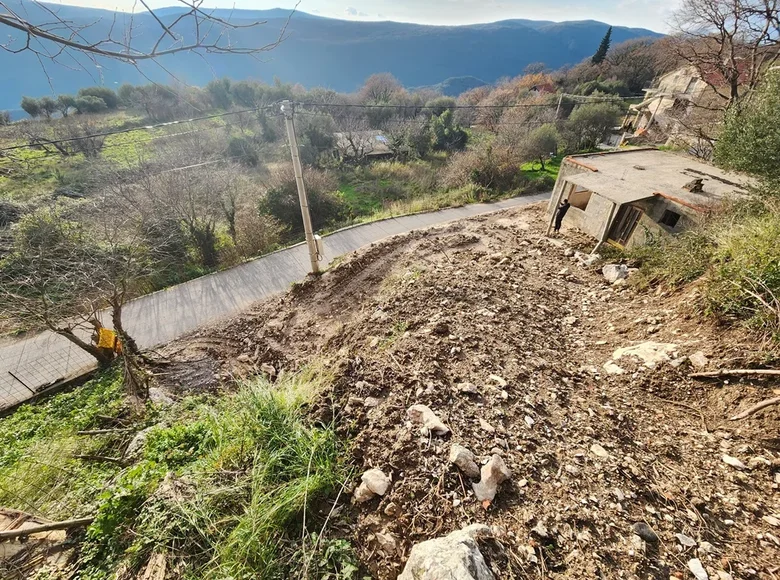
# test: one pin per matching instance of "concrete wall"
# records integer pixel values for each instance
(649, 227)
(567, 168)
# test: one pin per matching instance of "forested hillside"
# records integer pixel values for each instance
(316, 52)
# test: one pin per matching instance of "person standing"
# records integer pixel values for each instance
(559, 215)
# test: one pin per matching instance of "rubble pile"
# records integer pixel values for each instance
(487, 375)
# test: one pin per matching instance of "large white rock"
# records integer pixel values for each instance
(614, 272)
(373, 482)
(651, 353)
(454, 557)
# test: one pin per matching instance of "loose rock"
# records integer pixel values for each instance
(698, 360)
(464, 460)
(614, 272)
(733, 462)
(373, 482)
(429, 420)
(645, 532)
(454, 557)
(494, 473)
(599, 451)
(686, 541)
(694, 565)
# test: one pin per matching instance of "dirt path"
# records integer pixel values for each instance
(505, 337)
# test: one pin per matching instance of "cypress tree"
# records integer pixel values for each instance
(601, 53)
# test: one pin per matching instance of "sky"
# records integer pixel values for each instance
(652, 14)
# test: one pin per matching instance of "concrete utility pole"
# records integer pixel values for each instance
(287, 109)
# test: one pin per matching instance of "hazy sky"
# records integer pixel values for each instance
(651, 14)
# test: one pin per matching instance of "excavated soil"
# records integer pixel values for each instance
(491, 302)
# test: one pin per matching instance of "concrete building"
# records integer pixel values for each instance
(626, 197)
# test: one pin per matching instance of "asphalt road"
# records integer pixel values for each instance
(29, 364)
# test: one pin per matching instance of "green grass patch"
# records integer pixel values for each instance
(533, 169)
(219, 486)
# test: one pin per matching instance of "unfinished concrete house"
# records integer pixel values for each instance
(680, 109)
(627, 197)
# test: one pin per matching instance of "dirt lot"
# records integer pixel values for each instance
(504, 336)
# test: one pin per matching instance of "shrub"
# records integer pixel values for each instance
(745, 281)
(9, 213)
(244, 151)
(496, 168)
(105, 94)
(589, 125)
(281, 199)
(31, 106)
(90, 104)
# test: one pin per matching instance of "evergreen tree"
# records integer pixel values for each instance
(601, 53)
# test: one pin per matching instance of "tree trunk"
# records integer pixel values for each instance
(541, 160)
(129, 345)
(103, 360)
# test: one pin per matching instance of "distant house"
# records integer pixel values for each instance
(626, 197)
(543, 89)
(358, 145)
(681, 109)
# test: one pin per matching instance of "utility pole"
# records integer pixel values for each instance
(558, 110)
(287, 109)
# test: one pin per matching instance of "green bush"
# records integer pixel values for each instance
(745, 282)
(105, 94)
(281, 200)
(90, 104)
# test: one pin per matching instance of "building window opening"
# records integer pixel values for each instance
(579, 197)
(670, 218)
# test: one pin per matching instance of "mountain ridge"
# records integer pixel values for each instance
(318, 51)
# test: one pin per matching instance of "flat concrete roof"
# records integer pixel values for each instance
(630, 175)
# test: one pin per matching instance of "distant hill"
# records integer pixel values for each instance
(318, 51)
(454, 86)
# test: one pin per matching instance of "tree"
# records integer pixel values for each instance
(31, 106)
(448, 136)
(5, 118)
(542, 143)
(90, 104)
(379, 89)
(535, 68)
(65, 103)
(219, 91)
(281, 199)
(635, 62)
(601, 53)
(750, 141)
(436, 107)
(48, 106)
(730, 43)
(108, 96)
(67, 137)
(589, 125)
(193, 30)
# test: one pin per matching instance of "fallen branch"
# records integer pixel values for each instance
(66, 525)
(105, 431)
(735, 372)
(756, 409)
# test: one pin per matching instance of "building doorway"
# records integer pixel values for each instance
(625, 221)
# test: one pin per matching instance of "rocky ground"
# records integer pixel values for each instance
(629, 470)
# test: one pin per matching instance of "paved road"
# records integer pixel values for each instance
(163, 316)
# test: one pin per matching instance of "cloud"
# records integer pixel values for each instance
(355, 13)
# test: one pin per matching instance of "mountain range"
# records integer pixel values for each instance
(317, 51)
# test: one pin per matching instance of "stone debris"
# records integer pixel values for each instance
(494, 473)
(268, 369)
(500, 381)
(645, 532)
(485, 426)
(160, 397)
(772, 521)
(599, 451)
(612, 369)
(698, 360)
(469, 388)
(387, 543)
(614, 272)
(464, 460)
(454, 557)
(651, 353)
(733, 462)
(373, 482)
(428, 419)
(686, 541)
(696, 568)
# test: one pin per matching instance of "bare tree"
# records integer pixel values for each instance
(729, 42)
(65, 137)
(193, 29)
(354, 141)
(66, 277)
